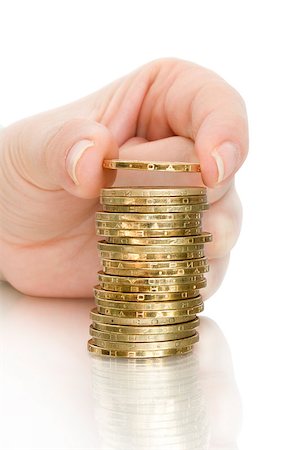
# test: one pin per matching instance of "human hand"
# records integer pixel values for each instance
(52, 171)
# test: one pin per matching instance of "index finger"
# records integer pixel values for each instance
(188, 100)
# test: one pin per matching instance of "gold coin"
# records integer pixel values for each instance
(98, 351)
(150, 217)
(150, 306)
(160, 166)
(148, 233)
(155, 265)
(147, 330)
(152, 256)
(171, 241)
(144, 281)
(156, 209)
(151, 201)
(144, 296)
(149, 321)
(152, 248)
(166, 225)
(156, 272)
(150, 314)
(157, 191)
(120, 337)
(161, 288)
(130, 346)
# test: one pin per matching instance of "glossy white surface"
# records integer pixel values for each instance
(56, 396)
(51, 397)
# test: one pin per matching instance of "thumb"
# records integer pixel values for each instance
(67, 156)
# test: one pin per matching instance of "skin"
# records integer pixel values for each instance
(168, 109)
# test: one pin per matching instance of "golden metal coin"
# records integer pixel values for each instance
(155, 265)
(156, 209)
(150, 306)
(147, 330)
(144, 296)
(156, 272)
(154, 201)
(148, 281)
(148, 191)
(130, 346)
(152, 248)
(152, 251)
(150, 217)
(166, 225)
(109, 232)
(160, 166)
(98, 351)
(171, 241)
(120, 337)
(152, 256)
(134, 321)
(150, 314)
(160, 288)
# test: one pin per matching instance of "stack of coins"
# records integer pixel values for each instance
(153, 261)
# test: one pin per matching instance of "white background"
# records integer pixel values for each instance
(53, 52)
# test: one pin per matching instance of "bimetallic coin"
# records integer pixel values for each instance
(98, 351)
(144, 296)
(130, 346)
(160, 166)
(157, 191)
(152, 256)
(149, 321)
(160, 288)
(156, 272)
(120, 337)
(143, 201)
(156, 209)
(154, 265)
(147, 330)
(150, 314)
(109, 232)
(160, 281)
(157, 225)
(150, 306)
(171, 241)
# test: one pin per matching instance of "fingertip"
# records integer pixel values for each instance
(221, 164)
(221, 138)
(85, 175)
(74, 155)
(89, 172)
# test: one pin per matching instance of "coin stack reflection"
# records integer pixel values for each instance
(154, 266)
(155, 404)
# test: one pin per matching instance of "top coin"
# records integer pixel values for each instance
(158, 191)
(160, 166)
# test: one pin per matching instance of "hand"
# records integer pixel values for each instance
(52, 171)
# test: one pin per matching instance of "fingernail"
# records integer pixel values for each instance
(74, 155)
(227, 158)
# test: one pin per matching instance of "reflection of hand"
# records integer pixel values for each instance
(187, 402)
(52, 169)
